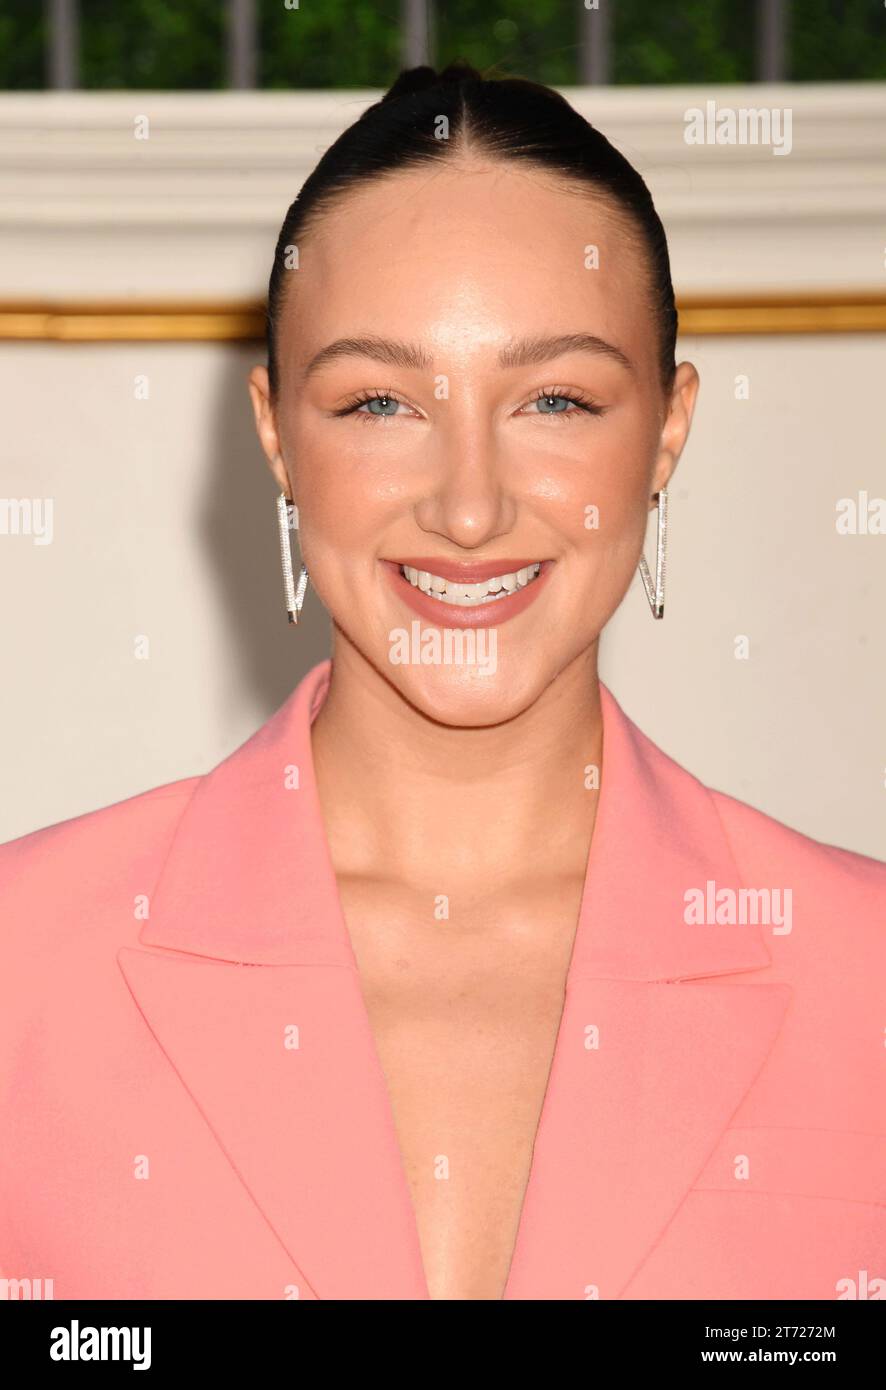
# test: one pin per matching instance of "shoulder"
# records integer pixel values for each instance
(74, 877)
(763, 843)
(822, 912)
(836, 897)
(760, 843)
(121, 824)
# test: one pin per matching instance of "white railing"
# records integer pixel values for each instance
(146, 195)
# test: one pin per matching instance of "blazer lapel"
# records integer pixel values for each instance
(654, 1054)
(656, 1049)
(627, 1128)
(280, 1058)
(304, 1126)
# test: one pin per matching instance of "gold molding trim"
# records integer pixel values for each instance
(99, 321)
(106, 321)
(837, 311)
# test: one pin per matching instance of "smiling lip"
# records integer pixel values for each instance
(491, 614)
(463, 571)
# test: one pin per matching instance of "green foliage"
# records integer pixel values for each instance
(693, 41)
(153, 44)
(22, 46)
(182, 44)
(329, 43)
(836, 40)
(525, 38)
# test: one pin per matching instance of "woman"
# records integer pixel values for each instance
(533, 1014)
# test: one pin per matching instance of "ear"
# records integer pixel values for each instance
(675, 429)
(266, 425)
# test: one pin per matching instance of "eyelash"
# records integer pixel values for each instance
(585, 403)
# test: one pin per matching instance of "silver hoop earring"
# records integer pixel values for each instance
(293, 593)
(655, 592)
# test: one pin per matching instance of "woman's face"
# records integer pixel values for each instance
(468, 390)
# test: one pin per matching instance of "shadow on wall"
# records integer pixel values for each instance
(238, 529)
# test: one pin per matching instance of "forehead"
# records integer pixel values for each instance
(456, 254)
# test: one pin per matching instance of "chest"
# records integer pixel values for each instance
(464, 1001)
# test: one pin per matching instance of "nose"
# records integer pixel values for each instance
(468, 501)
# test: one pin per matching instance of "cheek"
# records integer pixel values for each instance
(600, 498)
(344, 498)
(344, 512)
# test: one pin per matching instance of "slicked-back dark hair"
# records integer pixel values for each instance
(508, 118)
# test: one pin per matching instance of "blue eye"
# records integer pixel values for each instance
(387, 405)
(553, 405)
(558, 402)
(381, 405)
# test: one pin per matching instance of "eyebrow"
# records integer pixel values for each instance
(524, 352)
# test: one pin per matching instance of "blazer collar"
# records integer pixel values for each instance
(249, 877)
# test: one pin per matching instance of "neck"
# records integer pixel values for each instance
(406, 797)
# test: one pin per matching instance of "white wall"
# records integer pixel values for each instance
(163, 511)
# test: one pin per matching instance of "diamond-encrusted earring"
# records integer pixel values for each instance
(655, 593)
(294, 593)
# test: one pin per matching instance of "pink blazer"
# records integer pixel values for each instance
(193, 1108)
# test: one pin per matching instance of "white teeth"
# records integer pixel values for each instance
(468, 595)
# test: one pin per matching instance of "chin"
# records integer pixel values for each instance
(469, 696)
